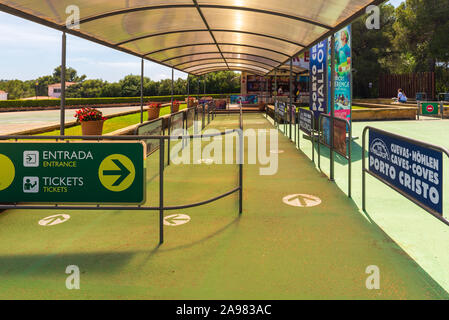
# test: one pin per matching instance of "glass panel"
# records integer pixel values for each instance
(194, 58)
(284, 28)
(249, 57)
(128, 26)
(209, 70)
(55, 10)
(253, 63)
(146, 46)
(199, 63)
(256, 41)
(242, 65)
(204, 66)
(178, 52)
(259, 52)
(328, 12)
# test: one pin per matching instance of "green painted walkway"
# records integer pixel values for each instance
(273, 251)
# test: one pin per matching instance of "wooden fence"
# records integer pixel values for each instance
(410, 83)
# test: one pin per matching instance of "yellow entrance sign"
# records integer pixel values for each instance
(117, 173)
(7, 172)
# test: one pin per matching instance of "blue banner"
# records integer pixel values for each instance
(416, 171)
(280, 108)
(318, 84)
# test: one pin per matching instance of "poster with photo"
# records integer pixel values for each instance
(343, 74)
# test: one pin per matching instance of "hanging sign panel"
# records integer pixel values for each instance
(72, 172)
(413, 170)
(318, 88)
(343, 74)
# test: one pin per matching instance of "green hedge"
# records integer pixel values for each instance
(94, 101)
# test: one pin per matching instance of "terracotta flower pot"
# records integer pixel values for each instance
(153, 112)
(174, 108)
(92, 128)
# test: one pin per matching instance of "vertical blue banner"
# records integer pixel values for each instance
(318, 83)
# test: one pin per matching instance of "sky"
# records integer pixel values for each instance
(29, 50)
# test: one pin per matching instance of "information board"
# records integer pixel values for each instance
(306, 121)
(72, 172)
(412, 169)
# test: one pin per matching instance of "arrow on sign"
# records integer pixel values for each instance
(123, 172)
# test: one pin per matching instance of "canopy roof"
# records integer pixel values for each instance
(200, 36)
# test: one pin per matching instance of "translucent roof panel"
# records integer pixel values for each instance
(244, 65)
(180, 52)
(172, 32)
(249, 57)
(248, 21)
(123, 27)
(146, 46)
(55, 10)
(262, 42)
(326, 12)
(195, 57)
(199, 63)
(209, 70)
(208, 65)
(276, 58)
(251, 62)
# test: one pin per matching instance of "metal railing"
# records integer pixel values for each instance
(330, 139)
(418, 143)
(162, 142)
(308, 127)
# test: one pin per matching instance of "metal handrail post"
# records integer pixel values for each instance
(161, 191)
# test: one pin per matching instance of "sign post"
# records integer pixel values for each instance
(72, 173)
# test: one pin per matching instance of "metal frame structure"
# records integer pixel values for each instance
(351, 9)
(406, 139)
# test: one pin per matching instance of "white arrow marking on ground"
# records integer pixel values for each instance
(54, 220)
(301, 200)
(176, 220)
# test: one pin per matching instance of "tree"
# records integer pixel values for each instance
(422, 29)
(372, 52)
(86, 89)
(71, 75)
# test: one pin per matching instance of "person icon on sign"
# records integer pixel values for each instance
(28, 186)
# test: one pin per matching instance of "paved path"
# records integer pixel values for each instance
(273, 251)
(11, 122)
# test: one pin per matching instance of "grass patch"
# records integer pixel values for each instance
(113, 124)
